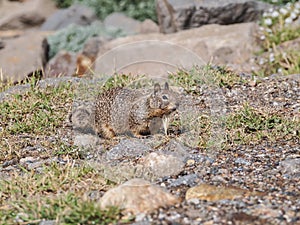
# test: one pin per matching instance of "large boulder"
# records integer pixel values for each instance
(75, 14)
(118, 20)
(155, 54)
(175, 15)
(21, 56)
(129, 26)
(24, 15)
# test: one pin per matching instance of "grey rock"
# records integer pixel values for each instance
(22, 57)
(162, 164)
(62, 64)
(82, 117)
(175, 15)
(242, 161)
(118, 20)
(128, 25)
(291, 167)
(154, 54)
(178, 149)
(188, 180)
(86, 140)
(128, 148)
(75, 14)
(148, 26)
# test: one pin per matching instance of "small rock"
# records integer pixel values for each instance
(48, 222)
(242, 161)
(188, 180)
(178, 149)
(212, 193)
(138, 196)
(190, 162)
(290, 167)
(86, 140)
(161, 164)
(127, 149)
(27, 160)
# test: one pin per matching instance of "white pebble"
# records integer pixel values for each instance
(271, 57)
(275, 14)
(268, 21)
(269, 30)
(262, 37)
(293, 15)
(283, 11)
(261, 61)
(288, 20)
(265, 14)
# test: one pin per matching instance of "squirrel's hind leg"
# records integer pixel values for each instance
(141, 131)
(107, 131)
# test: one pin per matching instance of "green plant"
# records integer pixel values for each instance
(127, 80)
(250, 125)
(74, 37)
(137, 9)
(214, 76)
(277, 30)
(36, 111)
(63, 3)
(60, 193)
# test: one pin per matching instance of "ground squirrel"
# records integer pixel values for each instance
(123, 111)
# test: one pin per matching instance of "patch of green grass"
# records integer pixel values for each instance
(244, 126)
(60, 193)
(36, 111)
(250, 125)
(196, 128)
(28, 120)
(209, 75)
(127, 80)
(287, 62)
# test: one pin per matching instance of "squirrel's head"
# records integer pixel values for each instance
(163, 99)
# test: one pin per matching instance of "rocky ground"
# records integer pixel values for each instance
(230, 153)
(254, 180)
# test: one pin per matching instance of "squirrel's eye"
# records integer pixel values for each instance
(164, 97)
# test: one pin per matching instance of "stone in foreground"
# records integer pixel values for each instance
(138, 196)
(212, 193)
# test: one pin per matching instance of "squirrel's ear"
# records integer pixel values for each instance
(156, 88)
(166, 86)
